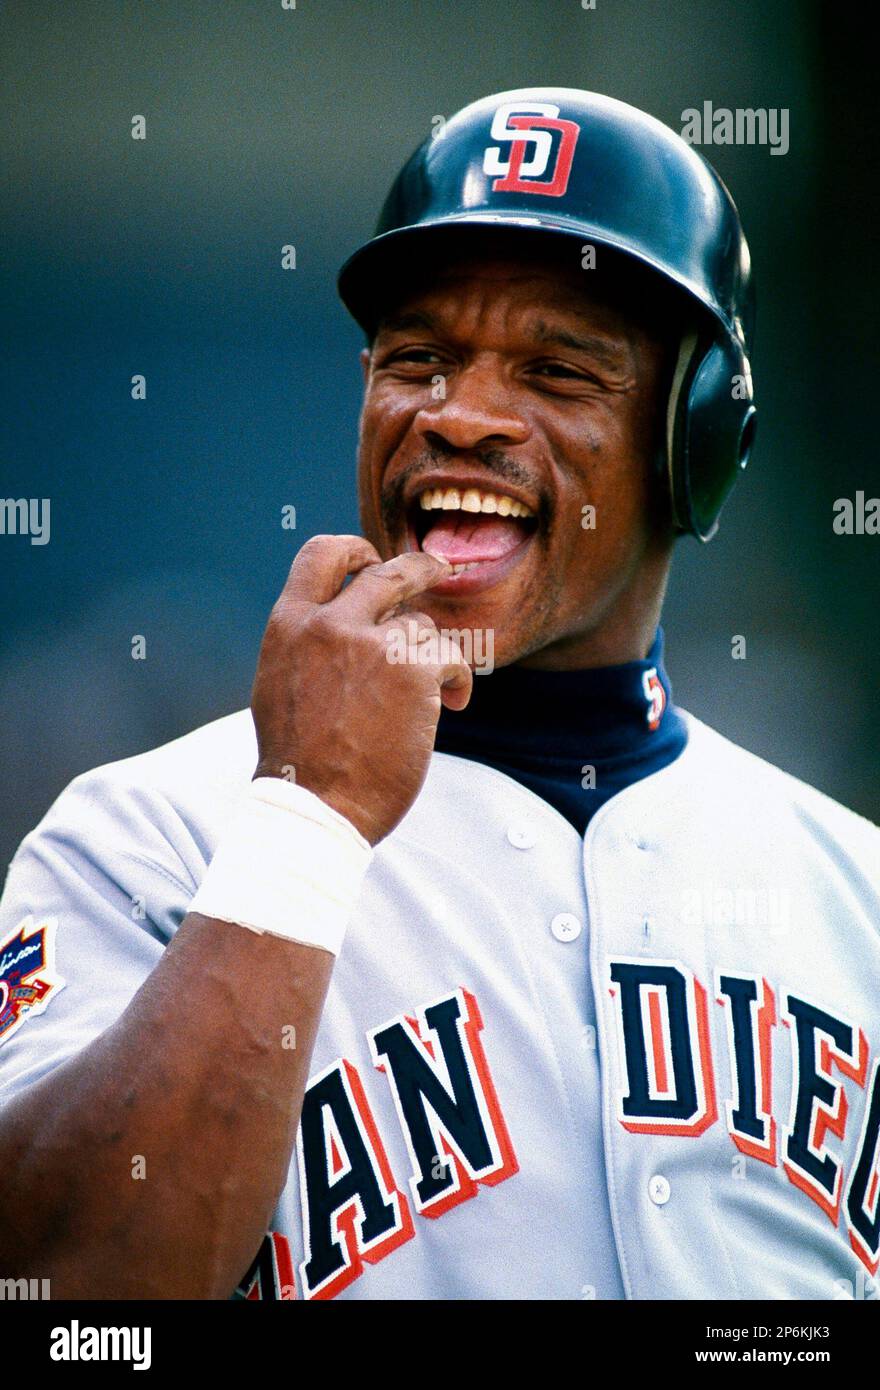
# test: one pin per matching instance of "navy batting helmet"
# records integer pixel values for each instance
(565, 163)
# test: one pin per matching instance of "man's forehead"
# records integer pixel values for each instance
(544, 296)
(501, 270)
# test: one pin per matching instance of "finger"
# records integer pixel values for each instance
(409, 633)
(435, 649)
(457, 682)
(443, 656)
(320, 568)
(379, 589)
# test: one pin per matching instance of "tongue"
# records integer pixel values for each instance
(465, 539)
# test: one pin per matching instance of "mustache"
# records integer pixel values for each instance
(494, 461)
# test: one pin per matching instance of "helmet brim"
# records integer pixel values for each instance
(372, 279)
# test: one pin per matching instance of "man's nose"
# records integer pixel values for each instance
(476, 407)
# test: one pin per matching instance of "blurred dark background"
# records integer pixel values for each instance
(268, 126)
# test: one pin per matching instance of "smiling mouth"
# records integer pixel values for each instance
(481, 533)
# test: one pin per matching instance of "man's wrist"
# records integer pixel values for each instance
(287, 864)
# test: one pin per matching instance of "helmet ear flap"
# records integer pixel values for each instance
(710, 430)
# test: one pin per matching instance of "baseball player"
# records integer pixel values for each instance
(463, 964)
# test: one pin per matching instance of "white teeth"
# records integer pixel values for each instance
(472, 564)
(472, 499)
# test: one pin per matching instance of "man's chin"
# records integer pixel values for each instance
(489, 633)
(487, 602)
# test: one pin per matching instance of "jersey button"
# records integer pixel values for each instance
(565, 927)
(522, 835)
(659, 1190)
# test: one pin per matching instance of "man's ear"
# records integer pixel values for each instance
(365, 363)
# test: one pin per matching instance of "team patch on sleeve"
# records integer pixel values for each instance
(27, 973)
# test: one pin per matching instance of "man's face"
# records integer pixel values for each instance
(509, 424)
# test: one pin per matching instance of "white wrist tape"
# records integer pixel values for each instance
(287, 864)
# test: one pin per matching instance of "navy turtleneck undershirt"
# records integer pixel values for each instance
(548, 729)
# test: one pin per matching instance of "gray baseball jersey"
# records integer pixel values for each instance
(640, 1064)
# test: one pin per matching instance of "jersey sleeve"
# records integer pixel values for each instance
(92, 897)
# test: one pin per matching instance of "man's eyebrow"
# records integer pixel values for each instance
(599, 348)
(399, 323)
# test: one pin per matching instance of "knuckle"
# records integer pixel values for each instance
(280, 620)
(391, 573)
(315, 544)
(285, 613)
(321, 623)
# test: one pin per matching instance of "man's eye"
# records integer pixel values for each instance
(556, 369)
(415, 355)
